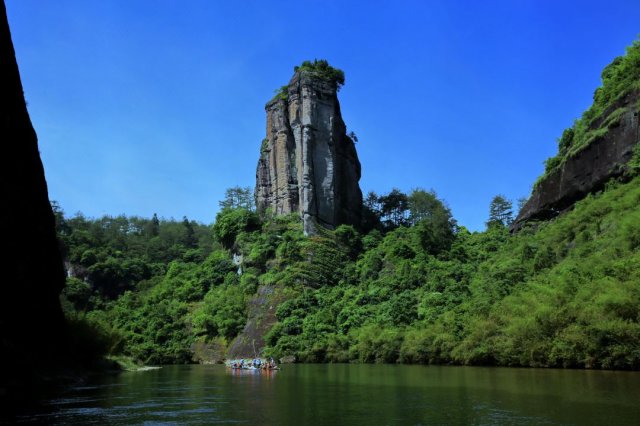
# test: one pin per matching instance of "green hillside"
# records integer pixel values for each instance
(409, 286)
(562, 294)
(619, 79)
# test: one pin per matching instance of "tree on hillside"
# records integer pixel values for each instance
(231, 222)
(394, 209)
(189, 240)
(423, 204)
(500, 212)
(153, 227)
(238, 197)
(433, 220)
(371, 213)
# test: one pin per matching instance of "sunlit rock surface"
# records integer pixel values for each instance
(307, 163)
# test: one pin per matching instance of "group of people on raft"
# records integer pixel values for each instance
(254, 364)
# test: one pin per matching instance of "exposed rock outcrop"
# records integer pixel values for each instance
(261, 317)
(307, 163)
(31, 320)
(588, 170)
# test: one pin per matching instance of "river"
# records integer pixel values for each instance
(350, 395)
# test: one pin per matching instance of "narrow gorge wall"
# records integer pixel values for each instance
(31, 321)
(307, 162)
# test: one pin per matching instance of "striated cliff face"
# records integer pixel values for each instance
(307, 162)
(31, 320)
(588, 170)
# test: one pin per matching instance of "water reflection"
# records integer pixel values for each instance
(350, 394)
(258, 372)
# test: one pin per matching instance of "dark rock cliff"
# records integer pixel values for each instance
(31, 320)
(307, 162)
(588, 170)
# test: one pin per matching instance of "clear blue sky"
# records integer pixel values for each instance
(158, 106)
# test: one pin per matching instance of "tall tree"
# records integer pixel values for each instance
(371, 213)
(372, 201)
(422, 205)
(500, 211)
(238, 197)
(433, 220)
(190, 239)
(395, 208)
(153, 228)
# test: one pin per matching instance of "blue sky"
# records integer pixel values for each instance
(158, 106)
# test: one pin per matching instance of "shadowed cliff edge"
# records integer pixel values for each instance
(602, 145)
(588, 170)
(31, 321)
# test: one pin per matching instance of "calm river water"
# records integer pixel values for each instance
(351, 395)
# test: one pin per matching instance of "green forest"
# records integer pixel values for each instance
(410, 285)
(417, 288)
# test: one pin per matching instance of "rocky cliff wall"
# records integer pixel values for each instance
(588, 170)
(31, 321)
(307, 162)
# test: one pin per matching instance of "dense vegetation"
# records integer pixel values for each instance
(116, 260)
(415, 288)
(409, 285)
(620, 78)
(565, 295)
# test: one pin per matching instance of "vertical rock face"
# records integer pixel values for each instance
(307, 163)
(31, 320)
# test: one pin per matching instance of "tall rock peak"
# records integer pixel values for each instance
(308, 164)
